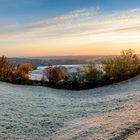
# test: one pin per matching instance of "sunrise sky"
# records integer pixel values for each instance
(68, 27)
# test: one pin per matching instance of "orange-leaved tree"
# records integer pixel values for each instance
(6, 69)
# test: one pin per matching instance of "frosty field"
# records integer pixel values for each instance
(41, 113)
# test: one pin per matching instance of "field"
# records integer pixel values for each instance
(42, 113)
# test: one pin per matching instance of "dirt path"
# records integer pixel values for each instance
(136, 136)
(115, 125)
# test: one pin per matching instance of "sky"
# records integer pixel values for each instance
(68, 27)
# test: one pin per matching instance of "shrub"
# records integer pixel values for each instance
(9, 73)
(6, 69)
(56, 73)
(93, 75)
(122, 67)
(19, 77)
(20, 74)
(26, 68)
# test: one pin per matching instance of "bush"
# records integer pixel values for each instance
(93, 75)
(122, 67)
(19, 77)
(55, 73)
(11, 74)
(26, 68)
(6, 69)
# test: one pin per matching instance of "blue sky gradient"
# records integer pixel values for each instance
(68, 27)
(30, 10)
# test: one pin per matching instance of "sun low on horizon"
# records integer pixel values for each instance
(68, 27)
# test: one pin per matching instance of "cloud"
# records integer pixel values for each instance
(77, 23)
(47, 25)
(77, 32)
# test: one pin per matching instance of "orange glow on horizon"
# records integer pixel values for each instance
(97, 49)
(106, 36)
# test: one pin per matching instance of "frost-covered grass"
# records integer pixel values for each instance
(35, 113)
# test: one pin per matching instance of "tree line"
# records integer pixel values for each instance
(14, 74)
(110, 71)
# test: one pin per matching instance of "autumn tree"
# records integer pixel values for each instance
(56, 73)
(26, 68)
(123, 66)
(130, 56)
(20, 74)
(93, 75)
(6, 69)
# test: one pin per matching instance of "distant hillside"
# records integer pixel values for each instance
(59, 60)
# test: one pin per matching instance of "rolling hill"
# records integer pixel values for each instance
(42, 113)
